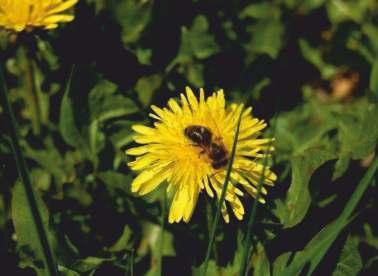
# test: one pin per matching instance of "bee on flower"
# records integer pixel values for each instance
(189, 148)
(20, 15)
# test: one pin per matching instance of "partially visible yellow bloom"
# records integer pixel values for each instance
(167, 154)
(19, 15)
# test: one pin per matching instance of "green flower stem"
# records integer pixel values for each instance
(24, 175)
(32, 93)
(222, 198)
(209, 219)
(162, 227)
(251, 219)
(246, 255)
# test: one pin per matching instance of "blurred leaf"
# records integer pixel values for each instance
(357, 134)
(371, 31)
(212, 269)
(122, 243)
(152, 233)
(82, 114)
(67, 123)
(28, 240)
(298, 197)
(304, 127)
(341, 10)
(202, 43)
(115, 180)
(98, 4)
(104, 104)
(260, 262)
(314, 56)
(64, 271)
(267, 37)
(341, 166)
(146, 86)
(280, 263)
(152, 238)
(51, 160)
(350, 262)
(374, 78)
(133, 17)
(121, 133)
(89, 264)
(309, 5)
(41, 179)
(196, 42)
(258, 88)
(259, 11)
(144, 55)
(194, 74)
(371, 239)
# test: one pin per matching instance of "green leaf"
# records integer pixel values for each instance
(50, 159)
(28, 240)
(314, 56)
(339, 11)
(267, 37)
(357, 134)
(64, 271)
(298, 197)
(341, 166)
(115, 180)
(371, 31)
(105, 104)
(315, 250)
(196, 42)
(82, 114)
(259, 11)
(304, 127)
(146, 86)
(280, 263)
(212, 270)
(309, 5)
(122, 243)
(67, 124)
(350, 262)
(133, 17)
(27, 217)
(122, 133)
(202, 43)
(373, 85)
(194, 74)
(260, 262)
(370, 238)
(89, 264)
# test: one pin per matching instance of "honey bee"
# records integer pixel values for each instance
(203, 138)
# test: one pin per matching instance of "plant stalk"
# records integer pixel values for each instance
(222, 198)
(25, 177)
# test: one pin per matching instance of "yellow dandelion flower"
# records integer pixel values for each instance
(19, 15)
(189, 147)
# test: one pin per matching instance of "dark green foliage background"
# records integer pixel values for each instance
(95, 77)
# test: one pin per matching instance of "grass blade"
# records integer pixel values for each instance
(251, 219)
(319, 245)
(247, 248)
(24, 175)
(162, 228)
(222, 197)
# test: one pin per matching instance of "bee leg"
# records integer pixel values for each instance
(219, 163)
(202, 149)
(201, 152)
